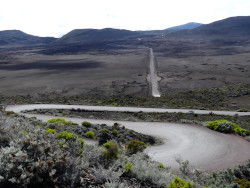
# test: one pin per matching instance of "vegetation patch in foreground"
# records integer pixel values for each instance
(35, 159)
(60, 121)
(212, 98)
(179, 183)
(225, 126)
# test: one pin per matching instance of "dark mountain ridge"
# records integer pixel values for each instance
(9, 37)
(96, 35)
(190, 25)
(230, 27)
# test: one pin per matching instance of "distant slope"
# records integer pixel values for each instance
(231, 27)
(96, 35)
(190, 25)
(8, 37)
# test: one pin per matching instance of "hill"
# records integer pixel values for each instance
(236, 27)
(96, 35)
(9, 37)
(190, 25)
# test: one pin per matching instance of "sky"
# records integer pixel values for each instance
(57, 17)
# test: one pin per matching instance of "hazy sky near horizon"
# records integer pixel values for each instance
(57, 17)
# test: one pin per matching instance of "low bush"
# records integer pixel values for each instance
(51, 131)
(128, 167)
(60, 121)
(116, 125)
(71, 142)
(147, 170)
(86, 124)
(115, 132)
(33, 160)
(67, 136)
(180, 183)
(244, 183)
(161, 166)
(111, 150)
(225, 126)
(105, 131)
(25, 132)
(134, 146)
(90, 134)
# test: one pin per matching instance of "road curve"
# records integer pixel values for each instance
(152, 77)
(205, 149)
(19, 108)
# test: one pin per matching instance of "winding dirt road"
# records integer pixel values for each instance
(205, 149)
(19, 108)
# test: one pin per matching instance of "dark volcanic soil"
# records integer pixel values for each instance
(120, 67)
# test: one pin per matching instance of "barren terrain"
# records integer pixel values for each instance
(204, 68)
(112, 70)
(29, 72)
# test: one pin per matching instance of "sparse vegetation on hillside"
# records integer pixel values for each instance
(102, 132)
(202, 119)
(213, 98)
(31, 155)
(60, 121)
(135, 146)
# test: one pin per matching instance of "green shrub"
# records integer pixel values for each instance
(90, 134)
(82, 141)
(111, 150)
(161, 166)
(134, 146)
(25, 132)
(179, 183)
(105, 131)
(60, 121)
(86, 124)
(67, 136)
(71, 142)
(116, 124)
(223, 126)
(115, 132)
(226, 126)
(128, 167)
(240, 131)
(50, 131)
(244, 183)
